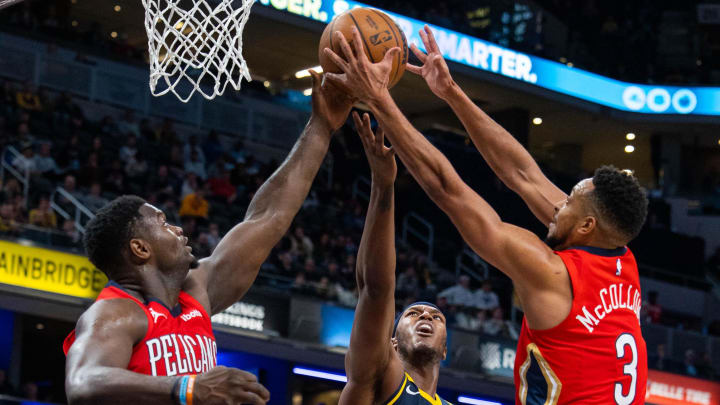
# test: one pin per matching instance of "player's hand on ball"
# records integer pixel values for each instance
(434, 69)
(361, 78)
(380, 157)
(329, 102)
(228, 386)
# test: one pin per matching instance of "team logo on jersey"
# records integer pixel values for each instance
(619, 268)
(156, 315)
(411, 392)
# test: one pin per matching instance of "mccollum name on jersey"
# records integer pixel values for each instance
(181, 354)
(615, 297)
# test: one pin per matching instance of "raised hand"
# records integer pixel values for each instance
(361, 78)
(380, 157)
(228, 386)
(434, 69)
(329, 102)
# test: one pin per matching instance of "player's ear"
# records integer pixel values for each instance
(140, 250)
(394, 342)
(587, 225)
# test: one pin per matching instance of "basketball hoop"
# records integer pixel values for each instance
(196, 46)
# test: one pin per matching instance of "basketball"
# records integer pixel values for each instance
(379, 33)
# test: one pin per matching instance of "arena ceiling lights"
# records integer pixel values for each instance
(550, 75)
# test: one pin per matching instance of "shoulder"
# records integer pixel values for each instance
(112, 316)
(195, 284)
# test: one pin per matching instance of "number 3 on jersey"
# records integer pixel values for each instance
(623, 341)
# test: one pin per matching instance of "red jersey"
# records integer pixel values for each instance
(597, 355)
(178, 341)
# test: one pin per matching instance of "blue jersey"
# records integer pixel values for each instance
(410, 394)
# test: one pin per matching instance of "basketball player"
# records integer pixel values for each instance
(388, 364)
(148, 337)
(581, 339)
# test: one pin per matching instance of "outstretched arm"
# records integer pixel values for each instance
(510, 161)
(232, 268)
(370, 359)
(517, 252)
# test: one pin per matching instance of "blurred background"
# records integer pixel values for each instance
(628, 83)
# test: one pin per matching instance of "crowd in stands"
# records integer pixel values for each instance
(204, 184)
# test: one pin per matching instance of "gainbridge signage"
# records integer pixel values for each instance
(49, 270)
(673, 389)
(550, 75)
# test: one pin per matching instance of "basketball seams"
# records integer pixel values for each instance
(392, 27)
(369, 54)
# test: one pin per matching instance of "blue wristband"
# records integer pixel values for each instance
(183, 389)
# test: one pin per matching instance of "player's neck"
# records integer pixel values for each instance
(152, 283)
(426, 378)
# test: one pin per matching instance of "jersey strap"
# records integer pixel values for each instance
(110, 292)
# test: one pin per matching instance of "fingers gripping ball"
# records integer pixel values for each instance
(379, 33)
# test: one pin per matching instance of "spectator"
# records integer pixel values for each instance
(108, 126)
(407, 282)
(460, 293)
(128, 125)
(10, 189)
(221, 187)
(44, 162)
(689, 367)
(652, 310)
(238, 153)
(43, 216)
(92, 172)
(195, 205)
(167, 135)
(136, 167)
(201, 247)
(213, 235)
(8, 224)
(301, 243)
(473, 320)
(189, 185)
(69, 157)
(191, 146)
(346, 296)
(212, 147)
(94, 200)
(24, 136)
(498, 326)
(128, 150)
(286, 265)
(69, 185)
(72, 235)
(310, 269)
(195, 165)
(28, 99)
(485, 298)
(26, 162)
(161, 182)
(300, 284)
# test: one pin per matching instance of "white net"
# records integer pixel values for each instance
(196, 46)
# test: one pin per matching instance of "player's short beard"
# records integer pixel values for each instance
(419, 357)
(554, 241)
